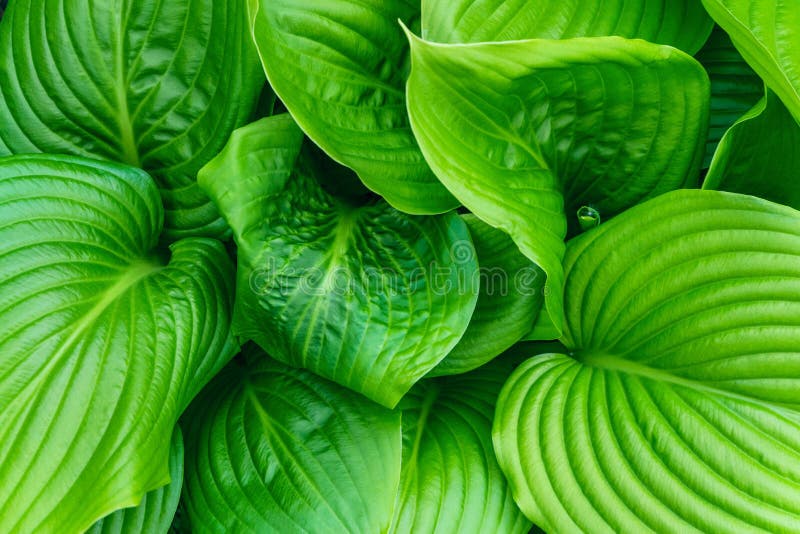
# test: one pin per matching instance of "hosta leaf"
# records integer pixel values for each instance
(683, 24)
(104, 339)
(355, 291)
(271, 448)
(157, 85)
(525, 132)
(765, 33)
(676, 406)
(735, 88)
(155, 513)
(450, 480)
(340, 67)
(760, 155)
(511, 296)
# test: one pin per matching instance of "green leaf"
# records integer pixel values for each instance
(155, 513)
(156, 85)
(271, 448)
(683, 24)
(340, 67)
(511, 296)
(104, 339)
(450, 480)
(760, 155)
(676, 405)
(353, 290)
(525, 133)
(735, 88)
(765, 33)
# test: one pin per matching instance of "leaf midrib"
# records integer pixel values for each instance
(613, 363)
(130, 150)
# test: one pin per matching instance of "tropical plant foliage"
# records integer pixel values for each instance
(398, 266)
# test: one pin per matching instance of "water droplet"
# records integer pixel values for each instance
(588, 217)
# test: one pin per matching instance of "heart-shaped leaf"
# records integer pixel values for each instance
(270, 448)
(156, 85)
(157, 510)
(765, 33)
(340, 67)
(760, 155)
(353, 290)
(525, 133)
(104, 339)
(676, 405)
(683, 24)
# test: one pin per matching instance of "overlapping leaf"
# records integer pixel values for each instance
(103, 338)
(524, 133)
(155, 513)
(683, 24)
(765, 33)
(511, 296)
(271, 448)
(735, 88)
(678, 406)
(353, 290)
(760, 155)
(157, 85)
(340, 67)
(450, 480)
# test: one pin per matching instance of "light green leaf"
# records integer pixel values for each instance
(155, 513)
(156, 85)
(271, 448)
(351, 289)
(450, 480)
(525, 132)
(683, 24)
(735, 88)
(760, 155)
(511, 296)
(676, 405)
(765, 33)
(340, 67)
(104, 339)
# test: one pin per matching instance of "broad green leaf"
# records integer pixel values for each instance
(156, 85)
(683, 24)
(676, 405)
(450, 480)
(104, 338)
(765, 33)
(525, 133)
(510, 298)
(760, 155)
(340, 67)
(353, 290)
(270, 448)
(155, 513)
(735, 88)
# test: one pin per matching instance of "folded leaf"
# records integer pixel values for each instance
(270, 448)
(510, 298)
(676, 406)
(340, 67)
(760, 155)
(156, 85)
(683, 24)
(735, 88)
(353, 290)
(155, 513)
(450, 480)
(765, 33)
(525, 133)
(104, 339)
